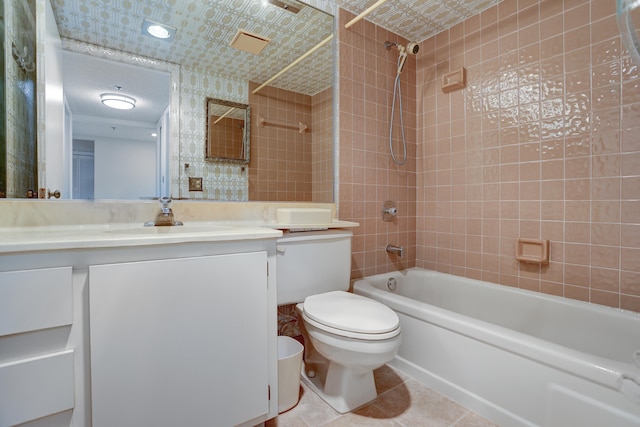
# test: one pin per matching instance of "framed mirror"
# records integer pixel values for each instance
(200, 66)
(228, 131)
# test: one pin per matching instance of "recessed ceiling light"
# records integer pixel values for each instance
(118, 101)
(158, 30)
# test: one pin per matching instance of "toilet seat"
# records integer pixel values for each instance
(352, 316)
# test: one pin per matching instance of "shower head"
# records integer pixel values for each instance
(411, 48)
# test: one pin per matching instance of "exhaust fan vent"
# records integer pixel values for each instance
(249, 42)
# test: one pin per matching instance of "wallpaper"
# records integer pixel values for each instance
(417, 20)
(21, 100)
(204, 30)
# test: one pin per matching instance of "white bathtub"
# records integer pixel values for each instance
(516, 357)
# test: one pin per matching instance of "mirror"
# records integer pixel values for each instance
(228, 131)
(206, 66)
(115, 152)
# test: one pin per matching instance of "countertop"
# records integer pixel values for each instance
(40, 238)
(62, 237)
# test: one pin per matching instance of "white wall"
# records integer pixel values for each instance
(124, 169)
(56, 163)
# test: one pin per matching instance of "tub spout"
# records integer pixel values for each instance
(395, 250)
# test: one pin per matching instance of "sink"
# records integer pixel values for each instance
(169, 230)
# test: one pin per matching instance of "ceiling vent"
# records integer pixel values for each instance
(249, 42)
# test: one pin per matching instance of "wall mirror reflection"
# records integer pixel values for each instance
(117, 127)
(210, 58)
(228, 131)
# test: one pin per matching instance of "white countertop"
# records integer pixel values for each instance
(39, 238)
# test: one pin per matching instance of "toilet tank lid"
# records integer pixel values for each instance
(335, 233)
(351, 312)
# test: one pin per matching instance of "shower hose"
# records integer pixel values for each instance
(397, 93)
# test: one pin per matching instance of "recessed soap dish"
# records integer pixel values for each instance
(534, 251)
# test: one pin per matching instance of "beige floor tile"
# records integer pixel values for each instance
(474, 420)
(416, 405)
(401, 402)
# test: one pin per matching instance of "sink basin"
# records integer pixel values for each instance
(168, 230)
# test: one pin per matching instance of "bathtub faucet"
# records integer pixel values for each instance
(165, 216)
(395, 250)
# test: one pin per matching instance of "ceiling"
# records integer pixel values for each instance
(417, 20)
(205, 28)
(85, 78)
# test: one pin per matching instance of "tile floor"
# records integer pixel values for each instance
(401, 402)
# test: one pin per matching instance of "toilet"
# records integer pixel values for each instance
(346, 336)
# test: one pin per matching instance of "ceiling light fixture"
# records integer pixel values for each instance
(117, 101)
(158, 30)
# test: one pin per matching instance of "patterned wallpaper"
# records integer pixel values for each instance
(417, 20)
(204, 30)
(20, 100)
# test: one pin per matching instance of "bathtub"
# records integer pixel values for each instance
(519, 358)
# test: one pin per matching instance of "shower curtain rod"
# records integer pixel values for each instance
(224, 115)
(365, 13)
(285, 69)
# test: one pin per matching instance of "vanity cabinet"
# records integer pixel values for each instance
(179, 341)
(36, 368)
(140, 334)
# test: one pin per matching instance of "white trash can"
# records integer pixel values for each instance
(289, 367)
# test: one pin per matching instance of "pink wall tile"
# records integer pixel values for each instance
(541, 143)
(567, 168)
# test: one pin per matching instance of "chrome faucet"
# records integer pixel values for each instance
(395, 250)
(165, 216)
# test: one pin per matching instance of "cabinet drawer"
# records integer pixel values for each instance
(36, 387)
(35, 299)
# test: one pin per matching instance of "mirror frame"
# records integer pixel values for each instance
(246, 133)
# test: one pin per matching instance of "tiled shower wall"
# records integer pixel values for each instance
(279, 168)
(322, 146)
(544, 142)
(367, 175)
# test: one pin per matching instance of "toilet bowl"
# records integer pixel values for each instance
(346, 336)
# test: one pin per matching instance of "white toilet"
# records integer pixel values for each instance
(346, 336)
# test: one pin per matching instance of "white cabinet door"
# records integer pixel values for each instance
(179, 342)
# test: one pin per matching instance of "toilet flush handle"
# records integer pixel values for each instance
(279, 250)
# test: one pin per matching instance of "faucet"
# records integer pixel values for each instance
(396, 250)
(165, 216)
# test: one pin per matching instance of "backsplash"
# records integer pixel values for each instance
(42, 212)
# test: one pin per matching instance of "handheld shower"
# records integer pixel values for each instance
(411, 49)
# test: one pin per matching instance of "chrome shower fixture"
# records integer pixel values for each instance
(411, 48)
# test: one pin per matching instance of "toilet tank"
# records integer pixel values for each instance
(312, 262)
